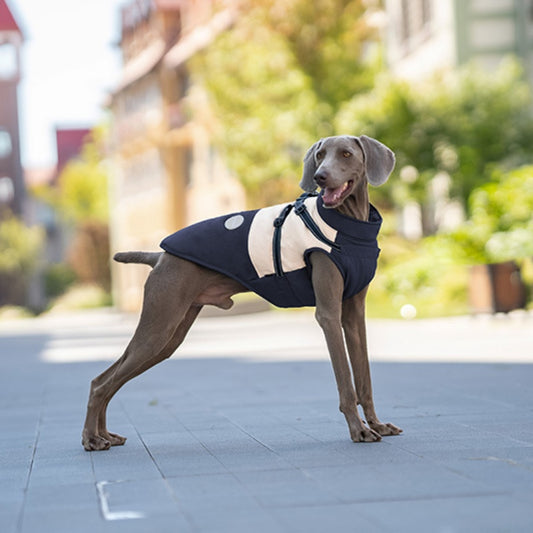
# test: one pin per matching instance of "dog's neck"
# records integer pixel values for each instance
(357, 205)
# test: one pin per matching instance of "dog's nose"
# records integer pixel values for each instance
(321, 178)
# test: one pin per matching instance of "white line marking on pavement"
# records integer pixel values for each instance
(104, 505)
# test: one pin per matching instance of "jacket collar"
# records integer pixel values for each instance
(361, 229)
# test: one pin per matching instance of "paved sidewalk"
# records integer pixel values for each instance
(240, 432)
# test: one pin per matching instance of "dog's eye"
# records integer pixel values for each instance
(346, 154)
(320, 155)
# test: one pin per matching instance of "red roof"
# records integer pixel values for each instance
(7, 21)
(69, 144)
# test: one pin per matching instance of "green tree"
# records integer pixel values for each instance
(19, 254)
(463, 123)
(81, 199)
(82, 193)
(276, 80)
(501, 225)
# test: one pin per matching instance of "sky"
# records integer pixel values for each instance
(70, 61)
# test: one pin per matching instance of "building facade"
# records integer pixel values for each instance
(165, 171)
(427, 35)
(12, 190)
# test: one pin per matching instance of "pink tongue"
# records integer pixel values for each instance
(332, 196)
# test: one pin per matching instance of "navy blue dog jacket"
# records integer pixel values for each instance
(267, 250)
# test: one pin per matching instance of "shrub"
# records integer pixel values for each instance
(57, 279)
(501, 227)
(20, 246)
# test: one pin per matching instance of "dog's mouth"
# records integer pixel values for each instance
(334, 196)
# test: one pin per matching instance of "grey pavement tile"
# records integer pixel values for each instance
(9, 520)
(200, 419)
(297, 448)
(56, 507)
(14, 476)
(237, 450)
(16, 420)
(323, 444)
(324, 518)
(127, 462)
(180, 454)
(499, 513)
(378, 482)
(288, 487)
(143, 498)
(521, 456)
(66, 519)
(324, 430)
(449, 437)
(11, 502)
(70, 466)
(250, 460)
(516, 425)
(54, 444)
(233, 445)
(16, 458)
(148, 412)
(364, 453)
(503, 472)
(161, 523)
(219, 503)
(456, 449)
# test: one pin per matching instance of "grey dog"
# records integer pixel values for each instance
(180, 285)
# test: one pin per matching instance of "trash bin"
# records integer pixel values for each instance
(496, 288)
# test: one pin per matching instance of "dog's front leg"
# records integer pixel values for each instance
(353, 323)
(328, 287)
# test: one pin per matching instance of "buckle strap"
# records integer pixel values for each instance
(276, 239)
(301, 210)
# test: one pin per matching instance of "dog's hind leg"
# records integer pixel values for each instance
(165, 320)
(116, 380)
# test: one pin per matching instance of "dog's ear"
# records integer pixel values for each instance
(308, 183)
(379, 159)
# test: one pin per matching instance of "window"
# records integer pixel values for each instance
(406, 19)
(7, 190)
(415, 16)
(5, 144)
(425, 8)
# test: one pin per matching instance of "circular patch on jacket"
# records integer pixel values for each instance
(234, 222)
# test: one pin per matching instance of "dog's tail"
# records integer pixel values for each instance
(145, 258)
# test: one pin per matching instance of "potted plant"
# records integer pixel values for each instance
(497, 238)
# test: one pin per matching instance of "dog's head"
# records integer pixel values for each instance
(339, 164)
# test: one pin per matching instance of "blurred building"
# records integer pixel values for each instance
(12, 191)
(69, 143)
(57, 232)
(165, 171)
(427, 35)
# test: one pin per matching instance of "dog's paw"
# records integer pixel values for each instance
(114, 439)
(95, 443)
(385, 430)
(365, 435)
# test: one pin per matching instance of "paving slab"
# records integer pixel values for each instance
(240, 431)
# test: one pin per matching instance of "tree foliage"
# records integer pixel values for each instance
(82, 192)
(19, 254)
(276, 80)
(501, 225)
(81, 199)
(463, 123)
